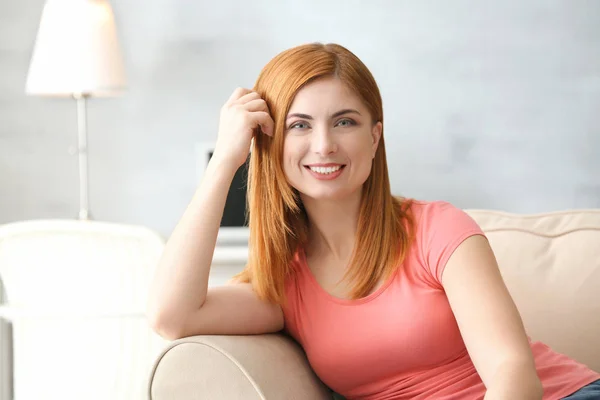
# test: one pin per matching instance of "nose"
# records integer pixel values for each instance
(323, 141)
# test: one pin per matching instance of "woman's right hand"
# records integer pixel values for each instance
(241, 115)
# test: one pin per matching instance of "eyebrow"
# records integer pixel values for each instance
(334, 115)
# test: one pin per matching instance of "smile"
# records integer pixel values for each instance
(325, 170)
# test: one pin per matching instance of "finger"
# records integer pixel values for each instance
(265, 121)
(247, 98)
(256, 105)
(238, 93)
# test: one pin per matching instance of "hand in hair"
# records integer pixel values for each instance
(241, 116)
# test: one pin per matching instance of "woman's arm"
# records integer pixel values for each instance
(176, 304)
(180, 282)
(490, 323)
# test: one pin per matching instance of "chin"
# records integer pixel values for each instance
(325, 196)
(328, 195)
(325, 191)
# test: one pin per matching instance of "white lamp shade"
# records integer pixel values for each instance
(76, 51)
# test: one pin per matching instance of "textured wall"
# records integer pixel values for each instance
(488, 104)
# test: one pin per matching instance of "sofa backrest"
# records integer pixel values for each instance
(551, 265)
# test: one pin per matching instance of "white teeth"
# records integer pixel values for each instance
(325, 170)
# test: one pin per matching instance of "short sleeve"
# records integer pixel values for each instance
(443, 227)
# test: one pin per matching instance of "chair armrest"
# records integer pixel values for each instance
(249, 367)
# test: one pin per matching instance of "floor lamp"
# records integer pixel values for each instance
(77, 54)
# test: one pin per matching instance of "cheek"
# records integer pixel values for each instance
(290, 156)
(294, 148)
(362, 150)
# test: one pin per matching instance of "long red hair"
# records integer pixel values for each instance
(277, 221)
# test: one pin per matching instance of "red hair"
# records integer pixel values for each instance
(277, 220)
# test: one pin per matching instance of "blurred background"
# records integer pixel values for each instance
(488, 104)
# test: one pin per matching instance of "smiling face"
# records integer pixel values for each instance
(330, 141)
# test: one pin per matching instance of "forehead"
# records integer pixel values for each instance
(324, 96)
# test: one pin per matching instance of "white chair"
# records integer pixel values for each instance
(76, 294)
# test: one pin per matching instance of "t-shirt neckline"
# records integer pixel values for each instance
(328, 296)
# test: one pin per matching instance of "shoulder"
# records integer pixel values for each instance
(296, 273)
(431, 208)
(439, 214)
(440, 228)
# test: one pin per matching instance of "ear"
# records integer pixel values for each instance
(376, 135)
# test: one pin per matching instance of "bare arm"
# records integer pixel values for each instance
(180, 284)
(180, 303)
(490, 323)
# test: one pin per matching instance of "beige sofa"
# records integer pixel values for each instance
(550, 262)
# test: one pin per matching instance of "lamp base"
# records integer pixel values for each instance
(84, 215)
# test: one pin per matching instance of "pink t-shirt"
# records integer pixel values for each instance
(402, 341)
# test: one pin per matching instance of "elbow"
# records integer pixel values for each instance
(169, 333)
(515, 379)
(165, 325)
(538, 389)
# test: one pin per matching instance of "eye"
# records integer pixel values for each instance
(299, 125)
(346, 122)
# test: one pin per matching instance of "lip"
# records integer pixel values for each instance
(324, 165)
(325, 177)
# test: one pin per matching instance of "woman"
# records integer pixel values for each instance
(390, 298)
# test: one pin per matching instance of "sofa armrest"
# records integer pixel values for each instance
(249, 367)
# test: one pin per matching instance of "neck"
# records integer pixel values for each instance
(332, 226)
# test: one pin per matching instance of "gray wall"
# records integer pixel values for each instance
(487, 104)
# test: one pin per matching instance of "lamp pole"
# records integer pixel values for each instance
(82, 151)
